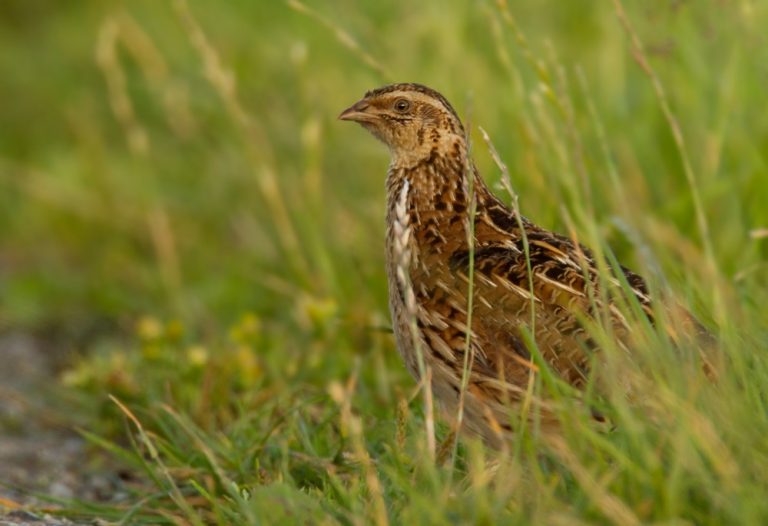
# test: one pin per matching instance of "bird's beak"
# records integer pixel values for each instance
(358, 112)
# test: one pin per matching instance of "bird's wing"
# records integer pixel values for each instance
(545, 286)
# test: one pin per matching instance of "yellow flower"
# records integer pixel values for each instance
(247, 366)
(197, 355)
(149, 328)
(316, 313)
(246, 330)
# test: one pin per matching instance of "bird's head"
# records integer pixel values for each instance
(413, 120)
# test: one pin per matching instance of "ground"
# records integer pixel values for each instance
(40, 452)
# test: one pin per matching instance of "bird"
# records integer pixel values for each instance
(448, 235)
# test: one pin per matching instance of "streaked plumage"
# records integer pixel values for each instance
(429, 184)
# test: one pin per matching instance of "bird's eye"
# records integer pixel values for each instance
(402, 105)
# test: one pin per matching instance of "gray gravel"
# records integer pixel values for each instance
(25, 518)
(39, 452)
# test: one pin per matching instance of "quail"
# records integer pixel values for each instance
(447, 235)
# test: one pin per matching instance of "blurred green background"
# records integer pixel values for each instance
(140, 174)
(179, 204)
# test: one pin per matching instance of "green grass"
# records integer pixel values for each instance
(179, 205)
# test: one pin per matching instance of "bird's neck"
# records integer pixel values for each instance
(441, 184)
(429, 208)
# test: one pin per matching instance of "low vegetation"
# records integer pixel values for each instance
(180, 209)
